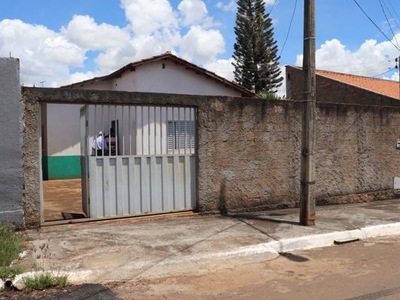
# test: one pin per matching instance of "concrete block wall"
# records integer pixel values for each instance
(249, 149)
(11, 116)
(249, 154)
(356, 154)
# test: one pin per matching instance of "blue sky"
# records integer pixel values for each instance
(64, 41)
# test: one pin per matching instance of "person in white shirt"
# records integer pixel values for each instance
(99, 146)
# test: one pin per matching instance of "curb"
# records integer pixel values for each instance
(327, 239)
(299, 243)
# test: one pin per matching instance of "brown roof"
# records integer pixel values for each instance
(385, 87)
(179, 61)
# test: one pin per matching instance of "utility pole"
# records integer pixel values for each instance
(307, 197)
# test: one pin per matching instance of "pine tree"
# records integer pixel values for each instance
(255, 51)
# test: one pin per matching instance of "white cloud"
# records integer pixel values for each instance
(162, 41)
(43, 53)
(202, 46)
(148, 16)
(114, 58)
(80, 76)
(370, 59)
(86, 33)
(221, 67)
(193, 11)
(153, 27)
(230, 6)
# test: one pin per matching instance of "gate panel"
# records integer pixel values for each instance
(84, 160)
(147, 163)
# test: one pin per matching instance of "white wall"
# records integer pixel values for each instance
(63, 129)
(172, 79)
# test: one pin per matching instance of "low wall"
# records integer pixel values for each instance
(249, 149)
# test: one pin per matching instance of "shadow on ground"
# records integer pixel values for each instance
(76, 292)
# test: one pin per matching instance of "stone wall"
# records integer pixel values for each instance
(11, 207)
(249, 149)
(356, 155)
(249, 154)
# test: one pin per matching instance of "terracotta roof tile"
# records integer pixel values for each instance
(385, 87)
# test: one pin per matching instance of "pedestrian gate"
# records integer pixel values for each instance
(146, 162)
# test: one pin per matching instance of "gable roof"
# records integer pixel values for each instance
(179, 61)
(389, 88)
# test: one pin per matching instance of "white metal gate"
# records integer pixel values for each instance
(141, 159)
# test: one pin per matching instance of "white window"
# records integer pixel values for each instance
(181, 135)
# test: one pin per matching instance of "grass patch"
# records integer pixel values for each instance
(11, 245)
(45, 281)
(10, 272)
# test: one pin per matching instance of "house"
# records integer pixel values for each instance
(164, 74)
(246, 153)
(334, 87)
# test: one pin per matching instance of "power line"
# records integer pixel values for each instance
(273, 6)
(355, 1)
(390, 26)
(390, 3)
(391, 15)
(390, 70)
(290, 26)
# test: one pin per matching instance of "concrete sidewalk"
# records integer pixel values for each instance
(136, 248)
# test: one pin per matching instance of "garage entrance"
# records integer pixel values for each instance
(137, 160)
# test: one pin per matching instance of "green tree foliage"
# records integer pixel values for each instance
(255, 51)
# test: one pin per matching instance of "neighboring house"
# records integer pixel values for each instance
(164, 74)
(334, 87)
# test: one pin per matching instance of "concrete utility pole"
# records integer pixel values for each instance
(307, 197)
